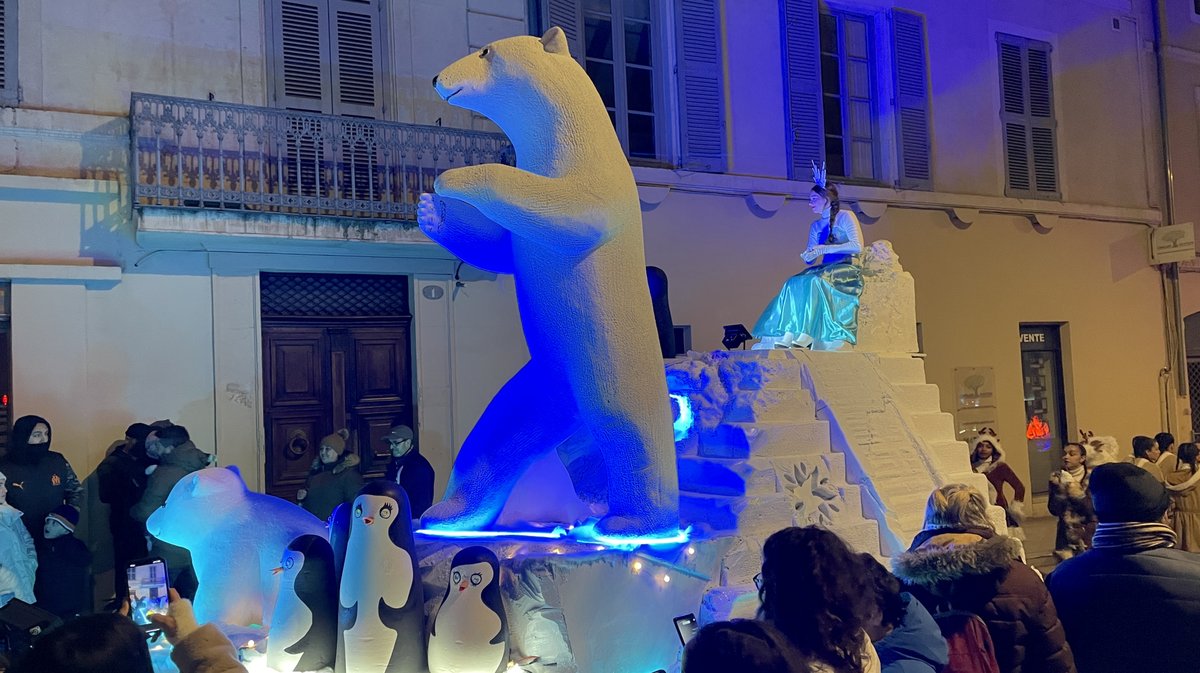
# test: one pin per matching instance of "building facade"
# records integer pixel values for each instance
(207, 210)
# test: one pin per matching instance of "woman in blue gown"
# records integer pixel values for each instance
(818, 307)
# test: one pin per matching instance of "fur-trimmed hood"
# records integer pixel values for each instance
(347, 460)
(953, 555)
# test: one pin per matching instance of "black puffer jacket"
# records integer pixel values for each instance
(979, 572)
(1130, 611)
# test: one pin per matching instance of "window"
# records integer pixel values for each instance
(8, 52)
(848, 96)
(623, 45)
(326, 56)
(833, 106)
(1027, 116)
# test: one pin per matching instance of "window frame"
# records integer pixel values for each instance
(5, 364)
(871, 63)
(1027, 117)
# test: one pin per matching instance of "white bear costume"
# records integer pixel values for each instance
(566, 222)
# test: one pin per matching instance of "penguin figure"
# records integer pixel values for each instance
(303, 634)
(470, 631)
(383, 606)
(339, 533)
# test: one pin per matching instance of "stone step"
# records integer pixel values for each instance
(742, 440)
(951, 456)
(758, 475)
(770, 405)
(916, 398)
(933, 427)
(902, 369)
(756, 516)
(862, 536)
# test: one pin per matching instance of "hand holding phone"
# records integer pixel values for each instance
(148, 591)
(686, 627)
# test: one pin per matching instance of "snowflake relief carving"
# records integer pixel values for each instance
(815, 497)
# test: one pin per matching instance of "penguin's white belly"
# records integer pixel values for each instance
(369, 643)
(292, 620)
(462, 643)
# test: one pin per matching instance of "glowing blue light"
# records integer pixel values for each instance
(685, 418)
(588, 532)
(555, 534)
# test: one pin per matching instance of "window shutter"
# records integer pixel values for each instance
(701, 94)
(1042, 123)
(802, 66)
(566, 15)
(356, 58)
(301, 64)
(8, 52)
(1027, 113)
(912, 100)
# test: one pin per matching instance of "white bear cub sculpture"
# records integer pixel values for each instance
(236, 538)
(566, 222)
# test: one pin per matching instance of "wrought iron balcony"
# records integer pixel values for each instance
(200, 154)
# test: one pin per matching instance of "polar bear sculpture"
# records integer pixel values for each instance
(236, 538)
(566, 222)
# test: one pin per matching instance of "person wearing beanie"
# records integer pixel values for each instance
(1131, 602)
(63, 576)
(410, 469)
(334, 477)
(1145, 455)
(987, 458)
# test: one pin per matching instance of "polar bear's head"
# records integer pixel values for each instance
(199, 504)
(514, 80)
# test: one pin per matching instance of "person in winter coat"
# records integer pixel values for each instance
(38, 479)
(1145, 455)
(334, 477)
(178, 457)
(813, 589)
(987, 458)
(742, 645)
(958, 562)
(1132, 602)
(410, 469)
(122, 480)
(905, 635)
(63, 576)
(18, 558)
(1184, 485)
(1168, 460)
(1069, 501)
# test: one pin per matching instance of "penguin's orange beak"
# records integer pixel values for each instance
(368, 520)
(462, 586)
(276, 571)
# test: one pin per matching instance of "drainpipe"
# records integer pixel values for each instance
(1176, 356)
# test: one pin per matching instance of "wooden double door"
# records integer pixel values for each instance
(323, 374)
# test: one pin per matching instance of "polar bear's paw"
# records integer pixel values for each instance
(654, 524)
(455, 514)
(430, 214)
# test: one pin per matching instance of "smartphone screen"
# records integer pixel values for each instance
(147, 590)
(685, 626)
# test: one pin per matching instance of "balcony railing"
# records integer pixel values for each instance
(200, 154)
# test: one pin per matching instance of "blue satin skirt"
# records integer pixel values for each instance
(821, 301)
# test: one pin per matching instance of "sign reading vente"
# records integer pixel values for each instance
(1172, 243)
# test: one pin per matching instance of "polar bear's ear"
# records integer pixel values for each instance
(555, 41)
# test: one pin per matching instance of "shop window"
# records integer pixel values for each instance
(1045, 402)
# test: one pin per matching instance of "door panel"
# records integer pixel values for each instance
(297, 436)
(297, 408)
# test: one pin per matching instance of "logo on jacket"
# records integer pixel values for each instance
(17, 484)
(55, 480)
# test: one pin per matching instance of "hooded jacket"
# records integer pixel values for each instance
(998, 474)
(38, 479)
(18, 560)
(977, 571)
(330, 485)
(916, 645)
(415, 475)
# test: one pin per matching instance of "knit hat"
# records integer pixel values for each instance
(66, 515)
(1124, 492)
(336, 441)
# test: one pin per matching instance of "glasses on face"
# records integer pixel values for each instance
(758, 581)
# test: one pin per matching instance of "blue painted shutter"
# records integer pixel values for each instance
(802, 67)
(1027, 115)
(566, 15)
(701, 91)
(912, 100)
